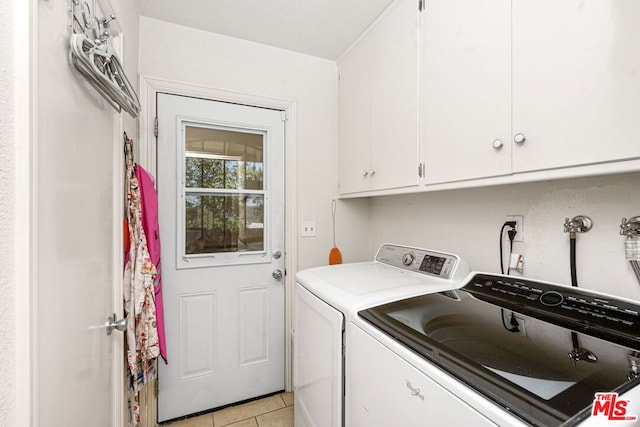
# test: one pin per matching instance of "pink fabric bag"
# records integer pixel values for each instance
(152, 231)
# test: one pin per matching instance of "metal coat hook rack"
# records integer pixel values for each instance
(93, 26)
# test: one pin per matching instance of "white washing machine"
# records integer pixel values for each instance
(327, 298)
(496, 351)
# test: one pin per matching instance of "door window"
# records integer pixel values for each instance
(224, 193)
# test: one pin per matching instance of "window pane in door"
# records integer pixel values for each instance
(224, 223)
(223, 159)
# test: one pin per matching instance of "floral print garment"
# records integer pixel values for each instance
(139, 274)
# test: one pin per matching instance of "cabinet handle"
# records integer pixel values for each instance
(519, 138)
(372, 172)
(497, 144)
(365, 173)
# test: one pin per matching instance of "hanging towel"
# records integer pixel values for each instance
(149, 199)
(139, 302)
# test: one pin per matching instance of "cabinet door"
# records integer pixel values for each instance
(354, 123)
(378, 105)
(576, 82)
(466, 89)
(395, 69)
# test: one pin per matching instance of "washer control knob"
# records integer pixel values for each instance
(407, 259)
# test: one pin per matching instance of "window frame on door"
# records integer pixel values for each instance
(184, 260)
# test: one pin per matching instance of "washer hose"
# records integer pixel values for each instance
(578, 353)
(574, 278)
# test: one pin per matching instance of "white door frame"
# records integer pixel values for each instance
(149, 88)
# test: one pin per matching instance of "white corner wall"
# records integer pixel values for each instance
(468, 222)
(7, 218)
(193, 56)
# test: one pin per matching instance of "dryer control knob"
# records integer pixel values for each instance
(407, 259)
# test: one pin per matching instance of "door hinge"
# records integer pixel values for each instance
(421, 5)
(155, 127)
(420, 170)
(284, 115)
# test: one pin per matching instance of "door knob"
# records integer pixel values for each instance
(277, 274)
(112, 324)
(277, 254)
(519, 138)
(497, 144)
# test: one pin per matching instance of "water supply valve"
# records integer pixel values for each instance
(579, 224)
(630, 227)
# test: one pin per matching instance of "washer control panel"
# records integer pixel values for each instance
(418, 260)
(581, 310)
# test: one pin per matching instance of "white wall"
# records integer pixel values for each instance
(184, 54)
(467, 222)
(7, 206)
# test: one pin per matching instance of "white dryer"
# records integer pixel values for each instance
(326, 298)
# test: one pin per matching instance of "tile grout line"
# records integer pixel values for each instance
(255, 417)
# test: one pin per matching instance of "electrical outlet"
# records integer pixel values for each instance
(308, 229)
(519, 226)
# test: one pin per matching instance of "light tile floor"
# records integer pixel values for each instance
(273, 411)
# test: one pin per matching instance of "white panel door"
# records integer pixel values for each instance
(466, 89)
(576, 82)
(221, 202)
(75, 376)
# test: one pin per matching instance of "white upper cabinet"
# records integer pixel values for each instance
(354, 120)
(576, 82)
(378, 105)
(466, 89)
(562, 78)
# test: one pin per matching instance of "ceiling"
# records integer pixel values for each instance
(322, 28)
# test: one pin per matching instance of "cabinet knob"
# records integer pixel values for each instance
(365, 173)
(519, 138)
(372, 172)
(497, 144)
